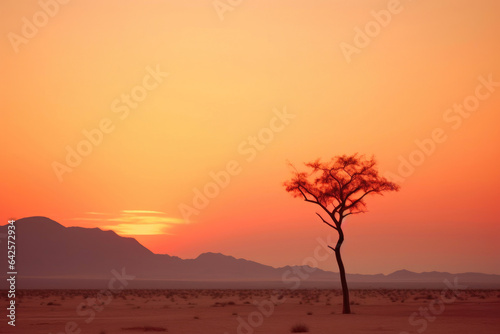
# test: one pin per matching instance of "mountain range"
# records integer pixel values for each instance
(49, 255)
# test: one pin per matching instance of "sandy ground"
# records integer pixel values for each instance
(254, 311)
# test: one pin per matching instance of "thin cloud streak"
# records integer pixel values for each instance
(133, 222)
(135, 229)
(143, 211)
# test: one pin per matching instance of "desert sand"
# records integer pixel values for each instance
(255, 311)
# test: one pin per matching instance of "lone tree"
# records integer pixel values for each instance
(339, 187)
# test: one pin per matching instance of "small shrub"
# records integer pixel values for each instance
(299, 328)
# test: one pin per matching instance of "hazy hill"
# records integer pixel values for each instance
(49, 255)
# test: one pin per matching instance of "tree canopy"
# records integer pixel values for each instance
(339, 186)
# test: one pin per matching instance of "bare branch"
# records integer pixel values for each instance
(316, 198)
(305, 197)
(327, 223)
(353, 213)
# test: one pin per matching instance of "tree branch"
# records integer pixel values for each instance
(352, 192)
(316, 198)
(327, 223)
(354, 213)
(333, 177)
(359, 199)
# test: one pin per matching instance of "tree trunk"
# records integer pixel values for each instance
(346, 306)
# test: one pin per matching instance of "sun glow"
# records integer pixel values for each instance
(133, 222)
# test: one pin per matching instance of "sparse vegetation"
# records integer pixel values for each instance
(145, 329)
(191, 305)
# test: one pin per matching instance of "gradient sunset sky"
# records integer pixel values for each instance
(227, 80)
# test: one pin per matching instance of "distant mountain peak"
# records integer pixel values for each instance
(402, 272)
(40, 221)
(212, 255)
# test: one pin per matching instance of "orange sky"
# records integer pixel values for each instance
(227, 80)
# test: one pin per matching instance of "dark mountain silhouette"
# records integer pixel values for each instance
(49, 255)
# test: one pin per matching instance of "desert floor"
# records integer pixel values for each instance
(254, 311)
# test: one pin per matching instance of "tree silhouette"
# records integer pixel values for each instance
(339, 187)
